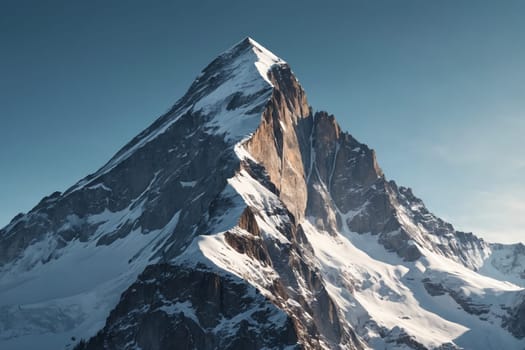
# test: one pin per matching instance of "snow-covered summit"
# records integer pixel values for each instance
(265, 58)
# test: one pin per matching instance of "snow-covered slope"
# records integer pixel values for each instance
(242, 220)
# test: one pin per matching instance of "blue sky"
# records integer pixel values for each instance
(437, 88)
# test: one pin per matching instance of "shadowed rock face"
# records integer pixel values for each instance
(436, 289)
(179, 163)
(514, 321)
(172, 307)
(250, 244)
(152, 181)
(248, 222)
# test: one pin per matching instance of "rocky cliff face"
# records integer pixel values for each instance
(173, 307)
(281, 143)
(241, 219)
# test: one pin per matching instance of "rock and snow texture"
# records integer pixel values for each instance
(240, 219)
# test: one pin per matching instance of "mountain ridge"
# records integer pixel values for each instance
(243, 185)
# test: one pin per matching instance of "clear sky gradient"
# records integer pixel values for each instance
(437, 88)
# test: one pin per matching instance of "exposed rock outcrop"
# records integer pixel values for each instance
(281, 143)
(173, 307)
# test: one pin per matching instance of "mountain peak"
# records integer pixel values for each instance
(250, 51)
(230, 94)
(241, 219)
(233, 89)
(249, 42)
